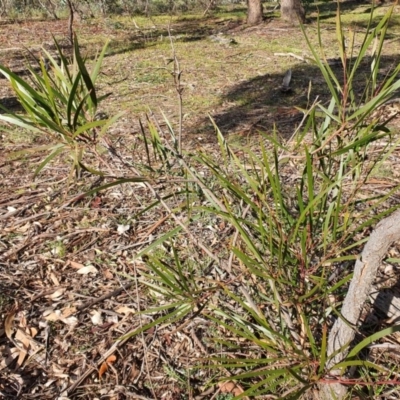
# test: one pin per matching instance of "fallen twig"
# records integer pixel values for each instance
(114, 293)
(305, 59)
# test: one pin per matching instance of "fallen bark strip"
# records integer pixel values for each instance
(385, 234)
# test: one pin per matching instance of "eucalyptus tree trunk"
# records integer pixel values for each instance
(293, 11)
(342, 334)
(254, 12)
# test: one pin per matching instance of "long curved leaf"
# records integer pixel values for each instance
(57, 150)
(85, 74)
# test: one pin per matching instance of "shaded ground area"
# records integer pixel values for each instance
(262, 104)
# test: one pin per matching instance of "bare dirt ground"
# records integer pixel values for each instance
(70, 281)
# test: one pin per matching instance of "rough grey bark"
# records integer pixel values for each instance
(254, 12)
(292, 11)
(385, 234)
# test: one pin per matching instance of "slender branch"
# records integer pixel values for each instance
(71, 21)
(177, 72)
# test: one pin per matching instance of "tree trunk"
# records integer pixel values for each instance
(344, 329)
(292, 11)
(254, 12)
(71, 22)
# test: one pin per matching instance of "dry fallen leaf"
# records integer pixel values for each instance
(125, 310)
(51, 316)
(55, 296)
(54, 279)
(23, 338)
(96, 202)
(8, 323)
(23, 323)
(56, 316)
(68, 311)
(24, 228)
(96, 317)
(9, 357)
(111, 359)
(24, 343)
(86, 270)
(75, 265)
(108, 274)
(121, 229)
(231, 387)
(102, 369)
(33, 332)
(135, 371)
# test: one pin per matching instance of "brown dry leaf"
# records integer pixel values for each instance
(51, 316)
(54, 279)
(167, 338)
(111, 359)
(23, 323)
(56, 316)
(33, 332)
(125, 310)
(103, 369)
(55, 296)
(135, 371)
(24, 344)
(8, 323)
(75, 265)
(96, 202)
(108, 274)
(24, 228)
(68, 311)
(9, 356)
(231, 387)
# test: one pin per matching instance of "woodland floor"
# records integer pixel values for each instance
(66, 263)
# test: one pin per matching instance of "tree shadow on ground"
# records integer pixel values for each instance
(260, 104)
(11, 104)
(184, 30)
(330, 7)
(392, 30)
(329, 10)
